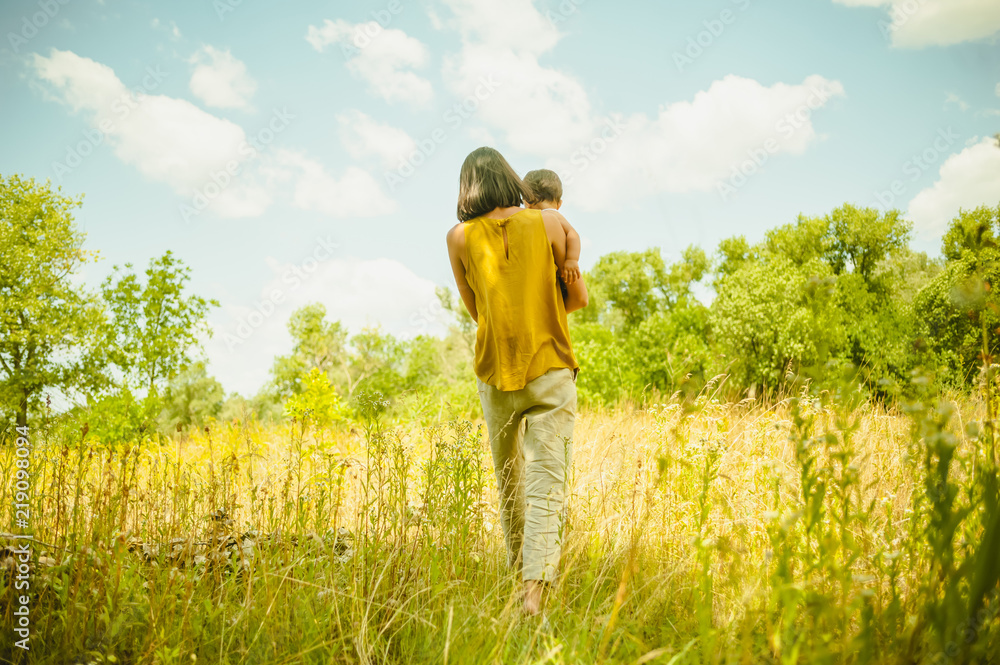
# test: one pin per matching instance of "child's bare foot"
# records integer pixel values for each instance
(532, 597)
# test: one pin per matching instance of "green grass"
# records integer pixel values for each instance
(818, 529)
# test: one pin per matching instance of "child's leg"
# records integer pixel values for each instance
(503, 427)
(548, 454)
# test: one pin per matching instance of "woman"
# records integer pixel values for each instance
(505, 259)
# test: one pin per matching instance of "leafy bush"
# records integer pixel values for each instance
(318, 403)
(959, 309)
(120, 417)
(775, 316)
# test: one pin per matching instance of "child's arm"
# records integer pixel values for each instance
(571, 268)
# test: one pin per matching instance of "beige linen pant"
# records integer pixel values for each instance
(532, 469)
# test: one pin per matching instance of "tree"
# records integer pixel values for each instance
(626, 288)
(671, 346)
(607, 371)
(863, 247)
(861, 254)
(191, 398)
(862, 238)
(376, 362)
(960, 305)
(317, 343)
(771, 316)
(629, 286)
(850, 240)
(692, 267)
(120, 417)
(424, 362)
(46, 321)
(154, 326)
(879, 328)
(731, 255)
(972, 233)
(805, 241)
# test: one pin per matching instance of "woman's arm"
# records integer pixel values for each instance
(456, 253)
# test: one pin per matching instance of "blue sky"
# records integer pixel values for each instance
(300, 152)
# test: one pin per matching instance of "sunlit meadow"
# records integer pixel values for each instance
(808, 529)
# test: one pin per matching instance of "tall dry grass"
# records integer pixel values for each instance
(702, 532)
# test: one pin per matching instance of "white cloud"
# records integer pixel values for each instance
(687, 146)
(919, 23)
(221, 80)
(694, 146)
(538, 109)
(952, 98)
(246, 198)
(382, 57)
(82, 83)
(166, 139)
(480, 135)
(515, 25)
(355, 194)
(357, 292)
(362, 135)
(967, 179)
(364, 293)
(173, 141)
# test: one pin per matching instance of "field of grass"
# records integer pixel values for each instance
(808, 530)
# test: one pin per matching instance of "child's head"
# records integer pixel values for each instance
(546, 189)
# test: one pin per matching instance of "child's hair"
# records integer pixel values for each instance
(544, 184)
(487, 182)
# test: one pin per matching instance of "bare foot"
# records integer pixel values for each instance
(532, 597)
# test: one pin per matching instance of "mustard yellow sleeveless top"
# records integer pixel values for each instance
(522, 318)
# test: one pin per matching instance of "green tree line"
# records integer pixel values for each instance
(812, 299)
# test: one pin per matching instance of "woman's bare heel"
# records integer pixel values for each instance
(533, 596)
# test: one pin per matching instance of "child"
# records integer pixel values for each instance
(547, 195)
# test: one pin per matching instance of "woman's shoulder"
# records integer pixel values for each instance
(531, 215)
(503, 216)
(456, 234)
(500, 214)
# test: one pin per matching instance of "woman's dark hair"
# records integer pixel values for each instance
(488, 182)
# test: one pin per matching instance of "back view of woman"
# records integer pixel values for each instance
(505, 259)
